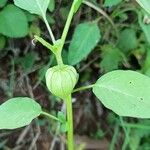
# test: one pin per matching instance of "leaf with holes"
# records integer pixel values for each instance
(125, 92)
(38, 7)
(18, 112)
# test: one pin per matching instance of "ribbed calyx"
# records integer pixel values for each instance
(61, 80)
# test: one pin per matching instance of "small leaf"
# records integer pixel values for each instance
(111, 57)
(110, 3)
(77, 5)
(61, 117)
(125, 92)
(9, 18)
(18, 112)
(38, 7)
(145, 4)
(51, 5)
(27, 61)
(127, 40)
(85, 38)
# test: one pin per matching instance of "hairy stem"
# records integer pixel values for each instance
(70, 123)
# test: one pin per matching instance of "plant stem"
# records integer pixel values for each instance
(49, 115)
(83, 88)
(67, 25)
(114, 138)
(59, 58)
(49, 29)
(70, 123)
(101, 12)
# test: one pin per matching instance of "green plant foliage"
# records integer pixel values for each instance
(13, 22)
(145, 4)
(146, 65)
(2, 42)
(3, 3)
(34, 6)
(111, 57)
(85, 38)
(34, 30)
(18, 112)
(27, 62)
(110, 3)
(51, 5)
(125, 92)
(144, 25)
(127, 40)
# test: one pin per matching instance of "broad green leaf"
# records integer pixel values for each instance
(125, 92)
(18, 112)
(3, 3)
(127, 40)
(111, 57)
(38, 7)
(145, 27)
(77, 5)
(110, 3)
(145, 4)
(13, 22)
(85, 38)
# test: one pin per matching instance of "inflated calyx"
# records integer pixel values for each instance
(61, 80)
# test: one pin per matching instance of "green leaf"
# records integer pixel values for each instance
(145, 4)
(51, 5)
(111, 57)
(146, 66)
(38, 7)
(145, 27)
(3, 3)
(18, 112)
(85, 38)
(27, 62)
(13, 22)
(110, 3)
(77, 5)
(127, 40)
(125, 92)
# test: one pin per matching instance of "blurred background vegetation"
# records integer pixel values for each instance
(105, 35)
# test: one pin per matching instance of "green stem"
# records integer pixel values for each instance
(49, 116)
(49, 29)
(70, 123)
(59, 58)
(114, 139)
(83, 88)
(67, 25)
